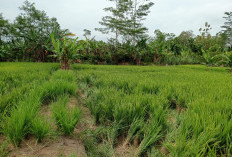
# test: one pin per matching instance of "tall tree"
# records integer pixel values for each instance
(203, 40)
(185, 38)
(126, 19)
(4, 37)
(228, 28)
(114, 22)
(136, 12)
(87, 33)
(4, 28)
(158, 44)
(33, 28)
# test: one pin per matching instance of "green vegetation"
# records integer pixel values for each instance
(65, 50)
(179, 110)
(33, 36)
(66, 119)
(19, 79)
(184, 110)
(40, 127)
(142, 100)
(20, 118)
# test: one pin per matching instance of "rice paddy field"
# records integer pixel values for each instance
(94, 110)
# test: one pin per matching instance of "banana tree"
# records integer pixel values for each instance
(65, 50)
(229, 61)
(226, 59)
(140, 50)
(208, 59)
(4, 52)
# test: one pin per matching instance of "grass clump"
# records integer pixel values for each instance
(152, 133)
(95, 146)
(18, 79)
(134, 130)
(66, 118)
(17, 122)
(56, 88)
(40, 127)
(14, 126)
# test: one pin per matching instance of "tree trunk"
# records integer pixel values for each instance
(61, 64)
(138, 60)
(133, 56)
(87, 51)
(156, 58)
(66, 64)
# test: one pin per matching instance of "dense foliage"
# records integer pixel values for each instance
(28, 38)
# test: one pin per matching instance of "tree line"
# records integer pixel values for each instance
(33, 36)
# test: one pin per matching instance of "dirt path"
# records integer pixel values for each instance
(128, 151)
(61, 146)
(87, 120)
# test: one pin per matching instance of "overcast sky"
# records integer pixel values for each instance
(171, 16)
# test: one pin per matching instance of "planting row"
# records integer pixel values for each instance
(25, 118)
(18, 79)
(184, 109)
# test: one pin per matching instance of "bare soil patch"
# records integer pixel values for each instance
(2, 138)
(62, 146)
(128, 151)
(87, 120)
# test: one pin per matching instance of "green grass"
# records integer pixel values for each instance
(40, 127)
(185, 109)
(201, 101)
(66, 118)
(17, 80)
(19, 120)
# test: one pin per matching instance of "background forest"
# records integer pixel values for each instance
(28, 38)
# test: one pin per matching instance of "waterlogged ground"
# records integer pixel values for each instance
(115, 110)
